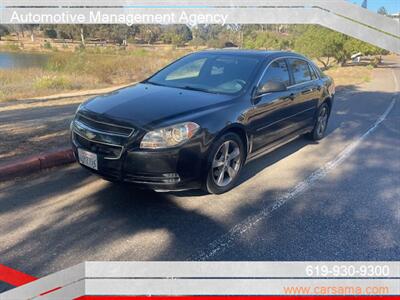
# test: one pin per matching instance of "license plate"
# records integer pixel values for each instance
(88, 159)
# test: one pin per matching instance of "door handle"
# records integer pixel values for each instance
(310, 90)
(292, 96)
(314, 88)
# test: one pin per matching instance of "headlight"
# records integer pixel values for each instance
(169, 136)
(71, 125)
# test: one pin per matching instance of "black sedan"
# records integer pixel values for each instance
(195, 123)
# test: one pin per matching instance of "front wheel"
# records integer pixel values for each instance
(225, 163)
(321, 123)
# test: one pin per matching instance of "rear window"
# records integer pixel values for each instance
(301, 70)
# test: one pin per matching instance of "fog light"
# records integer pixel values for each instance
(171, 177)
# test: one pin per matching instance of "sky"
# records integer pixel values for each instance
(392, 6)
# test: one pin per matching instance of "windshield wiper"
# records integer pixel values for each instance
(154, 83)
(186, 87)
(192, 88)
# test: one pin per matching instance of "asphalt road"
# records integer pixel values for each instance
(333, 200)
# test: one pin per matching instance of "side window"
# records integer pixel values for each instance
(277, 71)
(190, 70)
(319, 72)
(313, 73)
(301, 71)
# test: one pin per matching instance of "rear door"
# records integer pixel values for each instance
(307, 90)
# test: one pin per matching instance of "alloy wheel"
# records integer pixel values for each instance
(226, 163)
(322, 121)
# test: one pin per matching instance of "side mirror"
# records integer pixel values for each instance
(270, 87)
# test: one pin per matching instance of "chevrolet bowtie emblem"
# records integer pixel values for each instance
(90, 135)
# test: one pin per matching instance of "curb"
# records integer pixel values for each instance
(36, 163)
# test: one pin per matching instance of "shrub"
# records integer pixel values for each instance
(197, 42)
(47, 45)
(375, 62)
(2, 96)
(80, 47)
(177, 40)
(52, 82)
(50, 33)
(13, 47)
(57, 62)
(216, 43)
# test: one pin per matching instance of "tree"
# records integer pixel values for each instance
(208, 32)
(353, 46)
(322, 44)
(382, 11)
(184, 32)
(113, 32)
(177, 40)
(68, 31)
(49, 32)
(267, 40)
(150, 33)
(364, 4)
(18, 29)
(172, 32)
(31, 28)
(3, 31)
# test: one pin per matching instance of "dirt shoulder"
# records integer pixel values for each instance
(57, 99)
(31, 128)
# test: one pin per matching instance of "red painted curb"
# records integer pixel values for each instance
(62, 157)
(14, 277)
(36, 163)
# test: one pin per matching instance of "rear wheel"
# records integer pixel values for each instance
(321, 123)
(225, 163)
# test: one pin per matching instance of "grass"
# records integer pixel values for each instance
(83, 69)
(53, 82)
(12, 47)
(100, 67)
(350, 75)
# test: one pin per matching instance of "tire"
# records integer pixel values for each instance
(229, 163)
(321, 123)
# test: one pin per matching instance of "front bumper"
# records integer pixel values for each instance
(165, 170)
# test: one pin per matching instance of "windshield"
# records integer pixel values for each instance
(212, 73)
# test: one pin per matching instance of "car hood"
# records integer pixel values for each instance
(148, 106)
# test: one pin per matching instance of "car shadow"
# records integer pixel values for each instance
(257, 165)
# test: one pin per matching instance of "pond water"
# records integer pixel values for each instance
(11, 60)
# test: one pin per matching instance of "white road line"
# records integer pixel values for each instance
(227, 240)
(396, 82)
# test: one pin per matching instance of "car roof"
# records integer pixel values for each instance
(252, 53)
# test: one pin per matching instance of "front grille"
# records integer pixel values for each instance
(102, 138)
(108, 151)
(105, 127)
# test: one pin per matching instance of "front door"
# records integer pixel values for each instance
(269, 111)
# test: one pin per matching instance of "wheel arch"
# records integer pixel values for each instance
(328, 100)
(240, 130)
